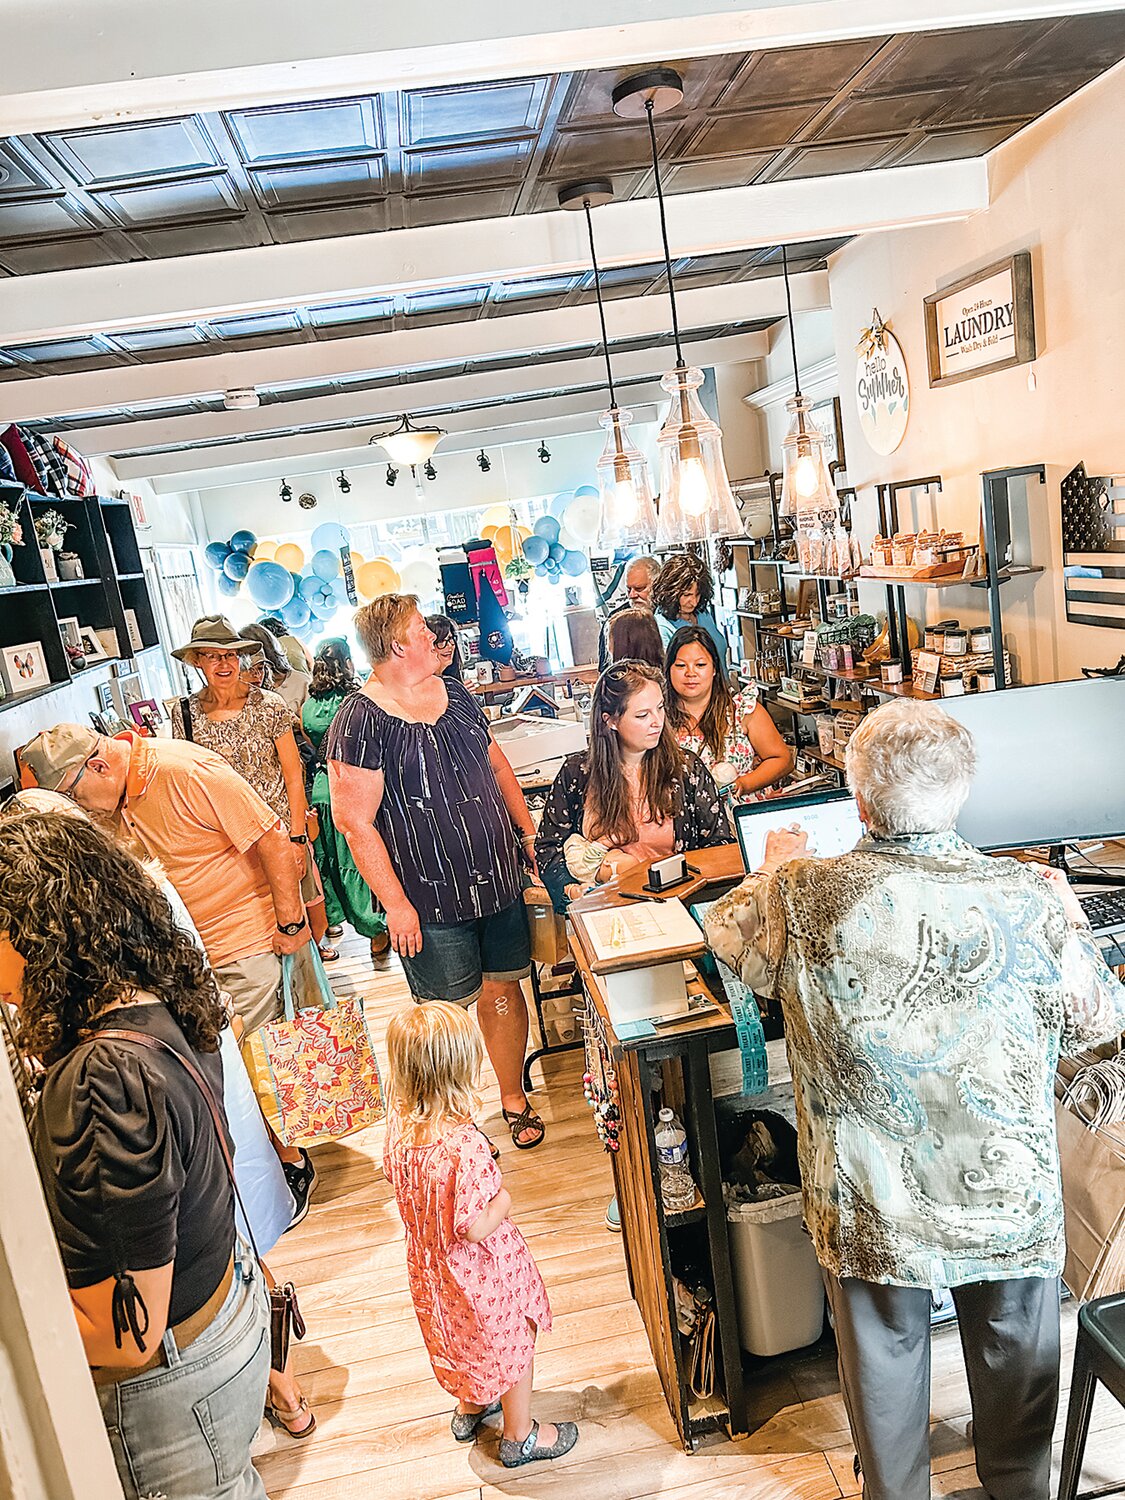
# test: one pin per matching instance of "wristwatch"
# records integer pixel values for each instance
(298, 838)
(290, 929)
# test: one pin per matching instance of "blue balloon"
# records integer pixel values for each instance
(574, 563)
(330, 536)
(324, 609)
(236, 566)
(548, 528)
(560, 503)
(228, 585)
(243, 541)
(326, 565)
(585, 489)
(557, 552)
(296, 613)
(216, 554)
(340, 589)
(541, 570)
(269, 585)
(309, 586)
(536, 548)
(315, 628)
(552, 566)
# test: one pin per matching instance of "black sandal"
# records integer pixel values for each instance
(493, 1148)
(526, 1119)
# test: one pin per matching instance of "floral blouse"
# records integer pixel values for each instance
(927, 992)
(739, 752)
(248, 742)
(699, 824)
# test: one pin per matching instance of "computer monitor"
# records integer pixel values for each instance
(1050, 763)
(831, 820)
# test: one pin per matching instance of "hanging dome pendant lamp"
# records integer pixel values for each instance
(695, 495)
(628, 512)
(806, 486)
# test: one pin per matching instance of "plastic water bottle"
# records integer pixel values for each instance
(671, 1141)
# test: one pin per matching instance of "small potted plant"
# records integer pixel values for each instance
(519, 571)
(11, 535)
(50, 530)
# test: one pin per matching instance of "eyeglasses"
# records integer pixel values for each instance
(209, 658)
(446, 645)
(68, 791)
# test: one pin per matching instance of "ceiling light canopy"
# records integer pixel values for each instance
(409, 445)
(628, 513)
(695, 495)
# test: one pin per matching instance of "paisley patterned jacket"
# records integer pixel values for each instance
(927, 992)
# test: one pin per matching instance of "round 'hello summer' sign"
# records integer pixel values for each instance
(882, 387)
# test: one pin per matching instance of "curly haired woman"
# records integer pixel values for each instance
(172, 1314)
(682, 596)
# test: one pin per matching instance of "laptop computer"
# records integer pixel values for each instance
(830, 818)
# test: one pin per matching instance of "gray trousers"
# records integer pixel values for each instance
(1010, 1339)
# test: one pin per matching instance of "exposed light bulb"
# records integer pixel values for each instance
(625, 503)
(695, 491)
(805, 476)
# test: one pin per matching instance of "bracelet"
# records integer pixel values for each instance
(527, 838)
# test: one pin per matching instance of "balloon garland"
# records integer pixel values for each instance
(556, 546)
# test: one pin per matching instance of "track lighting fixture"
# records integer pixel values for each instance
(544, 452)
(344, 482)
(285, 491)
(429, 470)
(484, 461)
(392, 475)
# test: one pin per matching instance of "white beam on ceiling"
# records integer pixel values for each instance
(565, 327)
(177, 290)
(379, 410)
(64, 67)
(531, 421)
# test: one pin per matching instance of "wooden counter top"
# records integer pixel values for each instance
(513, 684)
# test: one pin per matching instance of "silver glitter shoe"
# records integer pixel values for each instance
(513, 1455)
(463, 1424)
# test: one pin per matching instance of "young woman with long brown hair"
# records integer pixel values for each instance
(632, 796)
(722, 728)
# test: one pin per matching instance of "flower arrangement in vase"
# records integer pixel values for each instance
(51, 529)
(11, 535)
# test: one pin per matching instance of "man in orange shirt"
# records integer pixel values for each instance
(220, 845)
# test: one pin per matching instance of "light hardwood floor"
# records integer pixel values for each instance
(384, 1422)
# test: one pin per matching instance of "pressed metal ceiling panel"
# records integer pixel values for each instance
(281, 173)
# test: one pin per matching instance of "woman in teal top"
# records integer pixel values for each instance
(347, 896)
(682, 595)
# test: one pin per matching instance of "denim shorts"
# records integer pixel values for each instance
(185, 1431)
(457, 957)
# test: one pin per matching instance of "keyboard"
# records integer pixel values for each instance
(1105, 910)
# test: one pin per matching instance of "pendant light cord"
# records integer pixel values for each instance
(601, 305)
(792, 330)
(664, 231)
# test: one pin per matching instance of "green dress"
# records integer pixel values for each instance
(347, 896)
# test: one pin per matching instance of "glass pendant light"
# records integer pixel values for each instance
(407, 445)
(628, 512)
(806, 485)
(695, 495)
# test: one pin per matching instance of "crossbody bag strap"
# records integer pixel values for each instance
(156, 1044)
(185, 719)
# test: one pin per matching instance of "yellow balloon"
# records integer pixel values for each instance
(489, 532)
(265, 551)
(504, 554)
(375, 578)
(358, 561)
(290, 556)
(495, 515)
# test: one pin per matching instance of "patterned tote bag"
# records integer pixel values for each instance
(314, 1072)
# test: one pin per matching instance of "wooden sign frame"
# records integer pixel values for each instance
(1023, 319)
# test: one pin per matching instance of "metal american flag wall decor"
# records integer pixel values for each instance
(1093, 539)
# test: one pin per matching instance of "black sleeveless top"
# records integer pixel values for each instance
(131, 1167)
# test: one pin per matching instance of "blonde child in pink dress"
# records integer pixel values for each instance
(476, 1290)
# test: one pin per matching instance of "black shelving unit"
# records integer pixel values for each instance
(102, 535)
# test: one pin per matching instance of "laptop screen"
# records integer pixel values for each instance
(831, 820)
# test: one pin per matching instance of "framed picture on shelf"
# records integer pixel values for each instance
(108, 724)
(71, 633)
(92, 648)
(23, 667)
(828, 420)
(104, 691)
(134, 631)
(146, 715)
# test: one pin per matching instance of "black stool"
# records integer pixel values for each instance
(1099, 1354)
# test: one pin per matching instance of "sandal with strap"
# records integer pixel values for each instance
(464, 1424)
(514, 1455)
(525, 1119)
(285, 1416)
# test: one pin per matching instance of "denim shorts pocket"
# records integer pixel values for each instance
(229, 1416)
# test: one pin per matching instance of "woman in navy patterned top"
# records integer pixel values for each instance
(427, 802)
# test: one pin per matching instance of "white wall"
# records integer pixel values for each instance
(1056, 191)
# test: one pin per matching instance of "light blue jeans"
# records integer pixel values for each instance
(184, 1432)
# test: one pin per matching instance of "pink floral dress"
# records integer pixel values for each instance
(475, 1303)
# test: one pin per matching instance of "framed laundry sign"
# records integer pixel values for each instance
(982, 323)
